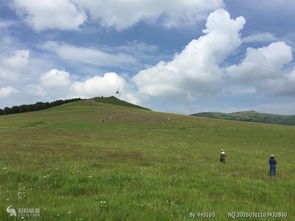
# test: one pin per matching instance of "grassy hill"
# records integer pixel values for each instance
(45, 105)
(116, 101)
(251, 116)
(73, 163)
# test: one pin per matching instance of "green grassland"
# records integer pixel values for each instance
(75, 164)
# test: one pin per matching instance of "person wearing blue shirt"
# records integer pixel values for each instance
(272, 165)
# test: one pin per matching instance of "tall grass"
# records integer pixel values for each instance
(141, 166)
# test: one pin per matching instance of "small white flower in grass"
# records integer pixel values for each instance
(69, 212)
(102, 204)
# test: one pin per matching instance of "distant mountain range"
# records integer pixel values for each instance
(251, 116)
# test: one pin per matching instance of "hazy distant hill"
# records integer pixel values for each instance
(251, 116)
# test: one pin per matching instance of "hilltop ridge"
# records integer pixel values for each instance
(116, 101)
(45, 105)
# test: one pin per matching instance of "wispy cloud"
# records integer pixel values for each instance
(260, 37)
(90, 56)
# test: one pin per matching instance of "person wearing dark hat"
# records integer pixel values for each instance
(272, 165)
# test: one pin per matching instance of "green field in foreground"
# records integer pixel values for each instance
(139, 165)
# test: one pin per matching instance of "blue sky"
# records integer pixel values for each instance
(181, 56)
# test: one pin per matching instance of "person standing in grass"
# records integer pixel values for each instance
(222, 155)
(272, 166)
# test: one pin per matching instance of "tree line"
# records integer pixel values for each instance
(34, 107)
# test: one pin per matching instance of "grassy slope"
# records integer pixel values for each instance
(71, 165)
(251, 116)
(116, 101)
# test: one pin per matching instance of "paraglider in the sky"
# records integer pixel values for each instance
(118, 92)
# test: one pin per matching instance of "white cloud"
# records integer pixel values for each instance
(264, 68)
(123, 14)
(36, 90)
(50, 14)
(282, 86)
(262, 63)
(19, 59)
(260, 37)
(196, 69)
(132, 97)
(88, 55)
(11, 67)
(118, 14)
(106, 85)
(98, 86)
(7, 91)
(55, 78)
